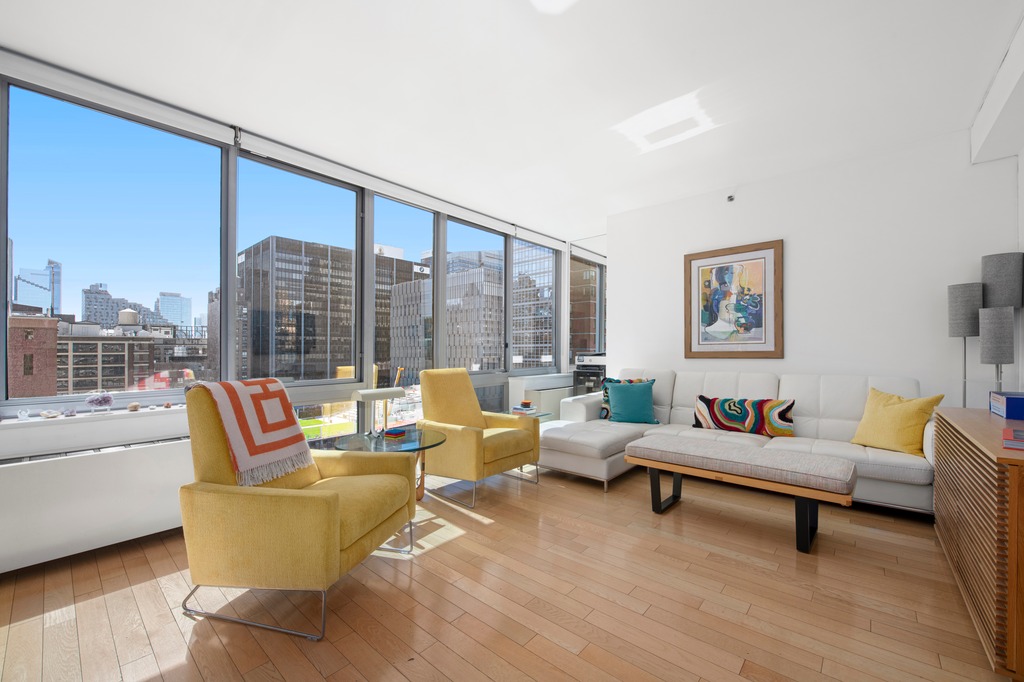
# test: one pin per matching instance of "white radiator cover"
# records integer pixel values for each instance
(57, 507)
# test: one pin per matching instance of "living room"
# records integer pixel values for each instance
(879, 143)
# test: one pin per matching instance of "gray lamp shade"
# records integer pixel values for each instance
(964, 302)
(996, 335)
(1003, 277)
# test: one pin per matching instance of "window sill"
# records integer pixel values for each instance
(89, 431)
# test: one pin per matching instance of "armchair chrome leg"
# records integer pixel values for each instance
(536, 475)
(471, 505)
(523, 475)
(398, 549)
(308, 635)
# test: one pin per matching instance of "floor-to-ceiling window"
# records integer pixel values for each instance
(475, 298)
(118, 279)
(586, 307)
(403, 301)
(475, 305)
(295, 266)
(113, 250)
(533, 305)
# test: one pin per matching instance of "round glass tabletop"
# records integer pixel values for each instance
(414, 440)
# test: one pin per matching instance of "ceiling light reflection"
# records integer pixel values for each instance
(552, 6)
(667, 123)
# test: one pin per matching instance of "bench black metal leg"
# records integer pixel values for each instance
(659, 505)
(806, 523)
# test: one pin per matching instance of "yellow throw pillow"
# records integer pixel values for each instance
(892, 422)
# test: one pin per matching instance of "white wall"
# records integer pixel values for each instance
(870, 246)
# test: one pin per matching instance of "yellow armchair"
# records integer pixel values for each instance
(479, 444)
(302, 531)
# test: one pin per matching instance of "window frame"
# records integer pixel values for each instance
(24, 72)
(311, 390)
(556, 323)
(9, 406)
(370, 236)
(600, 324)
(483, 378)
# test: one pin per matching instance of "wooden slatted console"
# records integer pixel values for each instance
(979, 500)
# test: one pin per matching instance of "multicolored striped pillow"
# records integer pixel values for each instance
(763, 416)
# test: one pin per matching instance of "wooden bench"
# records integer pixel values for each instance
(809, 478)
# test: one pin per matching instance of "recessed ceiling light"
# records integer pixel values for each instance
(552, 6)
(667, 123)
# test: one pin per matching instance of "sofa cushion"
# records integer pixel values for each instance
(884, 465)
(598, 439)
(765, 416)
(893, 422)
(688, 385)
(831, 405)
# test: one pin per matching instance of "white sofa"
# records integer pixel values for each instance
(826, 412)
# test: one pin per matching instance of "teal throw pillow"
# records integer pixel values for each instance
(633, 403)
(606, 408)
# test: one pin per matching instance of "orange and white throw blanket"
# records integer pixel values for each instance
(264, 437)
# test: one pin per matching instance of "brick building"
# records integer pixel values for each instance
(31, 356)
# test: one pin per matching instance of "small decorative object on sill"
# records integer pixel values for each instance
(49, 414)
(134, 407)
(101, 400)
(167, 406)
(70, 412)
(23, 415)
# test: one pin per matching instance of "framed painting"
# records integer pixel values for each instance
(733, 300)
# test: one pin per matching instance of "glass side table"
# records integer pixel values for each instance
(414, 440)
(539, 415)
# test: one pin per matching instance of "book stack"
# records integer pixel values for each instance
(519, 409)
(394, 433)
(1006, 404)
(1013, 439)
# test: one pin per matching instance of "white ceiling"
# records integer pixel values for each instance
(508, 110)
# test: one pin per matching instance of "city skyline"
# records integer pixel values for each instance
(131, 216)
(139, 208)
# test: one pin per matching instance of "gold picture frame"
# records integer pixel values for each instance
(733, 302)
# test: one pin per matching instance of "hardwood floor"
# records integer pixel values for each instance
(556, 581)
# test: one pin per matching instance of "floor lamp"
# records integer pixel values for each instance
(996, 339)
(1002, 276)
(964, 302)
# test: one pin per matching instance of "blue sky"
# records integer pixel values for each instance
(113, 202)
(139, 209)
